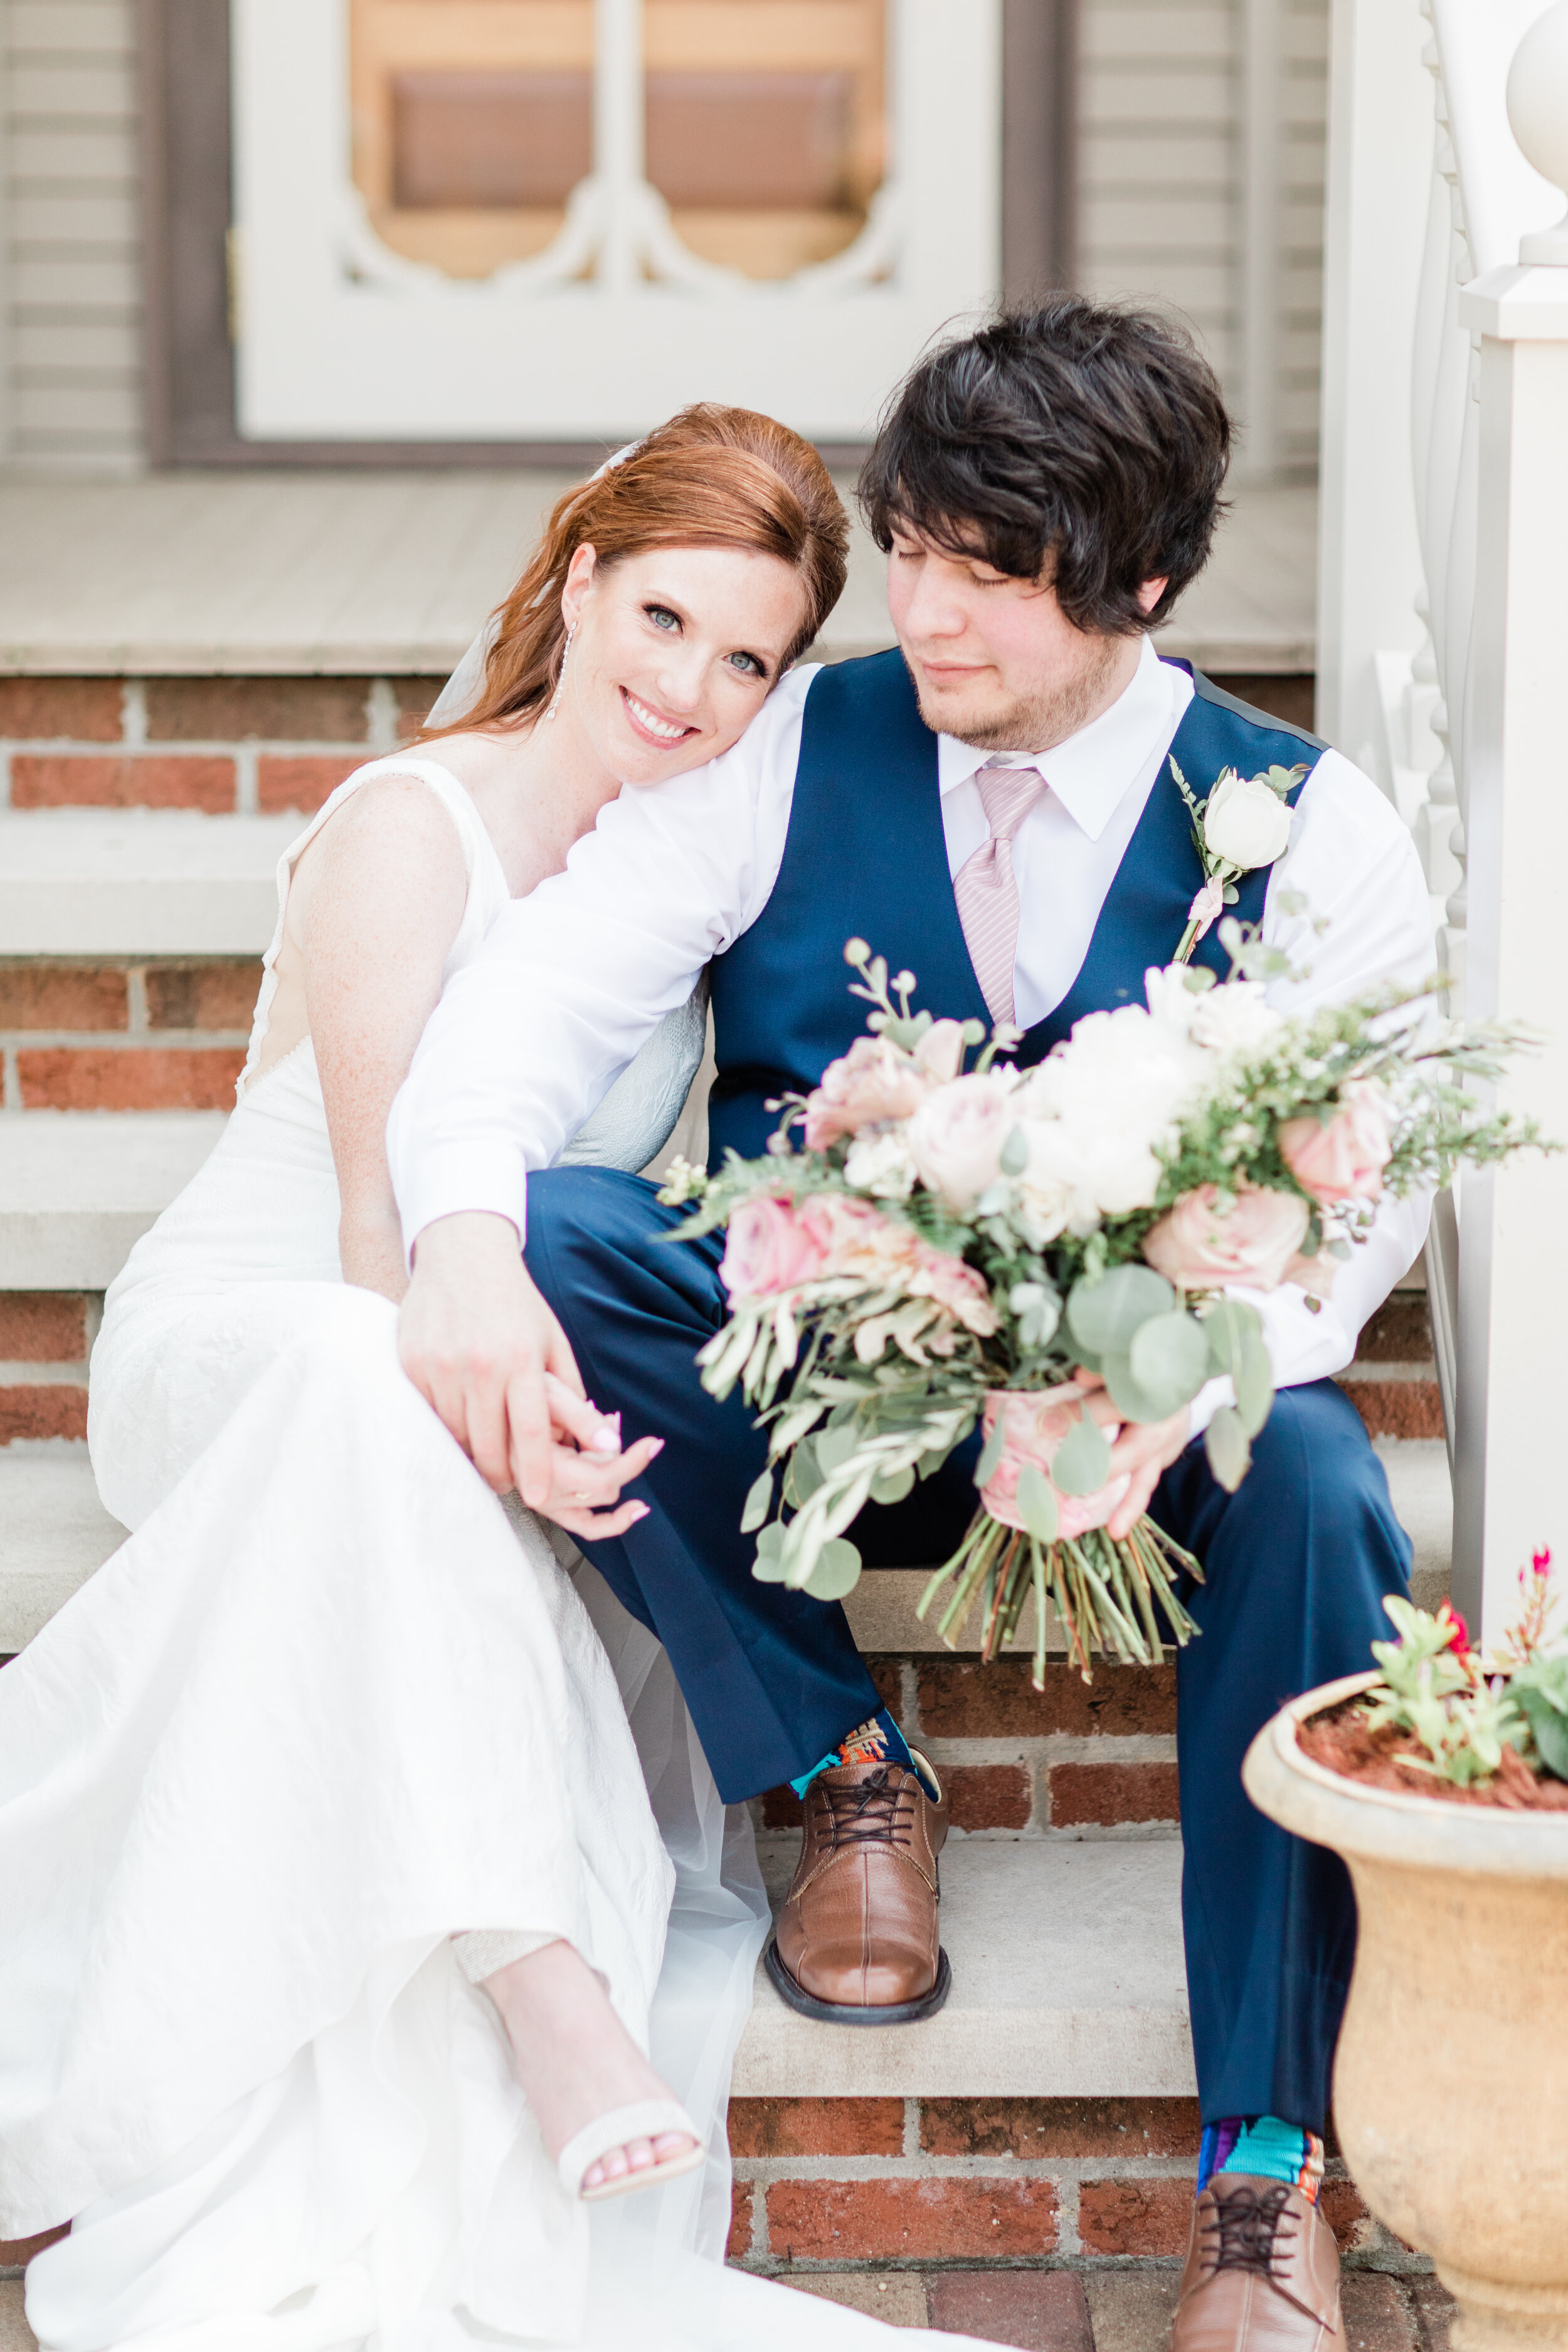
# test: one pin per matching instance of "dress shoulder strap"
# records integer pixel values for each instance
(487, 884)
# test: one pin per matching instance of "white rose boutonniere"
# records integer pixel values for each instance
(1242, 822)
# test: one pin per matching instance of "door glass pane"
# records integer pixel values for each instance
(765, 125)
(473, 123)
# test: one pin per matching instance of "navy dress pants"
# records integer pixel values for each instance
(1296, 1565)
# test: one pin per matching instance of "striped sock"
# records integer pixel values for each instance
(878, 1741)
(1265, 2146)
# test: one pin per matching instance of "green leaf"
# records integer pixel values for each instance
(1081, 1464)
(1224, 1327)
(802, 1473)
(836, 1572)
(833, 1447)
(1103, 1315)
(1169, 1358)
(991, 1453)
(1224, 1442)
(1253, 1377)
(769, 1568)
(893, 1488)
(1038, 1504)
(1549, 1729)
(1014, 1154)
(759, 1502)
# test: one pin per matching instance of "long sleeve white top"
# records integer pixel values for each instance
(572, 978)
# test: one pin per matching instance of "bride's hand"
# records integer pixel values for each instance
(588, 1466)
(484, 1348)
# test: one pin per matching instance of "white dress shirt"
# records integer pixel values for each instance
(572, 979)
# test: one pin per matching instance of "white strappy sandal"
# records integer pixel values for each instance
(645, 2119)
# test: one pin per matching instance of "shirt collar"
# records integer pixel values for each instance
(1093, 769)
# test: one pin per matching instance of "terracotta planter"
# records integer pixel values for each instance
(1451, 2080)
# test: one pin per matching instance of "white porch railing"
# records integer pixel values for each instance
(1476, 741)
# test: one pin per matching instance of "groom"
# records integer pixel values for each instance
(993, 806)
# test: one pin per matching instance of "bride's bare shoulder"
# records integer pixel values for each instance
(391, 835)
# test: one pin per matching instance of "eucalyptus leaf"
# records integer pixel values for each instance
(1224, 1442)
(893, 1488)
(833, 1447)
(804, 1474)
(1170, 1358)
(769, 1566)
(836, 1572)
(1081, 1464)
(1014, 1154)
(1253, 1377)
(1225, 1326)
(1037, 1504)
(991, 1453)
(1103, 1314)
(759, 1502)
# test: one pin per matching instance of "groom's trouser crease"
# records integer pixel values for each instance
(1297, 1562)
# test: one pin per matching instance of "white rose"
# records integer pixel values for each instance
(957, 1134)
(1234, 1019)
(882, 1165)
(1245, 822)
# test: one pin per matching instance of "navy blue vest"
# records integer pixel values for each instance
(866, 857)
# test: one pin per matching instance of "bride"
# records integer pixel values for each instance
(339, 1944)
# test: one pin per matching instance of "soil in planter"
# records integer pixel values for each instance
(1342, 1742)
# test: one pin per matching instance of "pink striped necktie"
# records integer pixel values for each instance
(985, 888)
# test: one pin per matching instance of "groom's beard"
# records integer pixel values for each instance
(1031, 723)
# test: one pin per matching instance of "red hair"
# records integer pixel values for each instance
(711, 477)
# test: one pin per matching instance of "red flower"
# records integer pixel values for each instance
(1458, 1632)
(1541, 1561)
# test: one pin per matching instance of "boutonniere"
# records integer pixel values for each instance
(1242, 822)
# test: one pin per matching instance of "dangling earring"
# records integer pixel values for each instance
(561, 674)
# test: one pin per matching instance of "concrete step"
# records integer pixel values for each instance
(139, 882)
(1067, 1982)
(54, 1532)
(78, 1188)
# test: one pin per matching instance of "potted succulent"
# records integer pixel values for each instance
(1442, 1780)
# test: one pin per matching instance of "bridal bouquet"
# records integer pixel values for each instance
(950, 1246)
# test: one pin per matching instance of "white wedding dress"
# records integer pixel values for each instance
(331, 1706)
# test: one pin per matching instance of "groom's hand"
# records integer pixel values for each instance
(1144, 1451)
(482, 1347)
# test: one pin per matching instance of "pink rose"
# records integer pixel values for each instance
(874, 1081)
(958, 1132)
(957, 1288)
(852, 1237)
(1035, 1425)
(1343, 1160)
(1199, 1245)
(769, 1248)
(941, 1051)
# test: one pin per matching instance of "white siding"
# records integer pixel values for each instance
(1164, 184)
(69, 267)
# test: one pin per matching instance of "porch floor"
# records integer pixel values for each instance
(377, 574)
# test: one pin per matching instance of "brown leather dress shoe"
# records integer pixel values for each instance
(1262, 2273)
(857, 1939)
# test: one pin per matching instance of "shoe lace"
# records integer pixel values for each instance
(1246, 2227)
(877, 1810)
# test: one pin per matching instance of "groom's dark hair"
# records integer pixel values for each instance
(1085, 443)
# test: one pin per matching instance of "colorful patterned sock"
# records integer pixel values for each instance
(877, 1741)
(1265, 2146)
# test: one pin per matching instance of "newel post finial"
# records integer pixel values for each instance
(1538, 113)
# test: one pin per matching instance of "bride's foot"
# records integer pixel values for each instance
(577, 2062)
